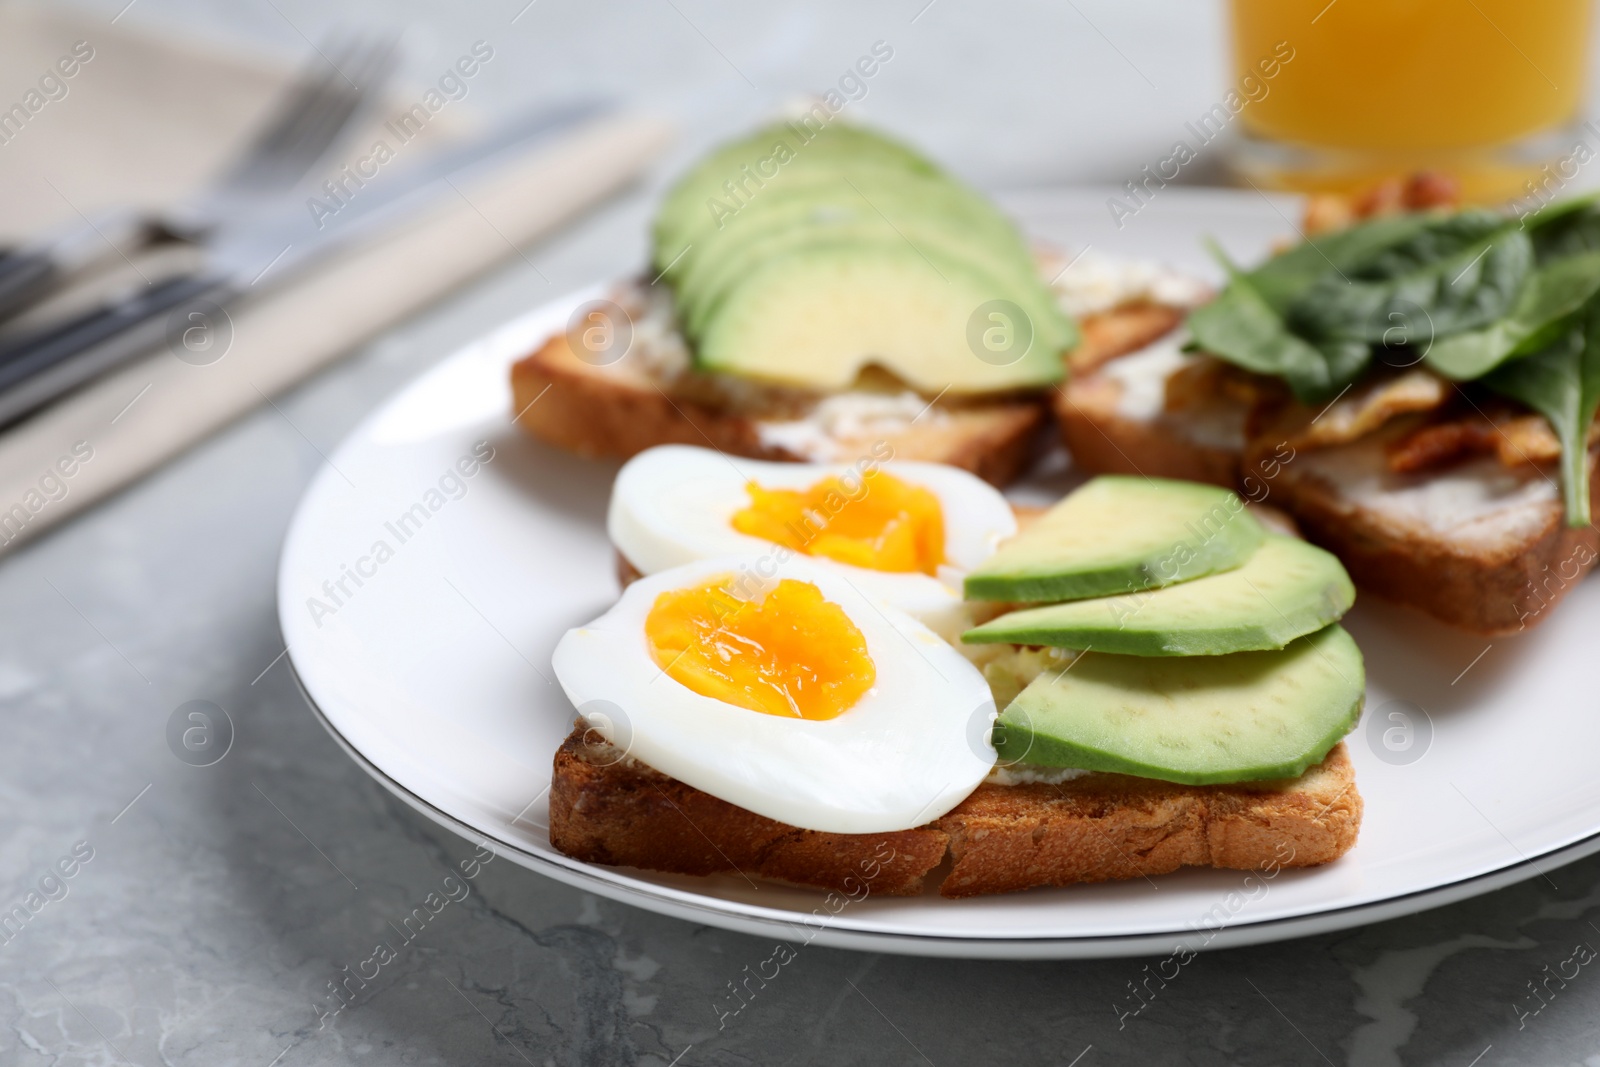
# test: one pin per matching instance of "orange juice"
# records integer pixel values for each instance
(1390, 85)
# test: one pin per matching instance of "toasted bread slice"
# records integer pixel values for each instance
(608, 808)
(1115, 416)
(1104, 826)
(618, 411)
(619, 408)
(1478, 544)
(1120, 330)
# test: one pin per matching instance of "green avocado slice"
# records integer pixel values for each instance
(817, 316)
(718, 262)
(1200, 720)
(1287, 589)
(1120, 534)
(779, 153)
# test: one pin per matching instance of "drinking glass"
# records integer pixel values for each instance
(1486, 91)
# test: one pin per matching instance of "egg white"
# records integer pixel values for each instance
(913, 746)
(674, 504)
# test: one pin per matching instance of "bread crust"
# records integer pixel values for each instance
(609, 412)
(1498, 589)
(608, 809)
(1106, 826)
(1104, 441)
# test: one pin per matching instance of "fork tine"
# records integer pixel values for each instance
(288, 118)
(331, 97)
(368, 68)
(316, 107)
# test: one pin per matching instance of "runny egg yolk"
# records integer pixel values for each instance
(790, 652)
(876, 521)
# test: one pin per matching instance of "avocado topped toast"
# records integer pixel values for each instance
(1132, 739)
(813, 290)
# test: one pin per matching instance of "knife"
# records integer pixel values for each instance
(26, 274)
(267, 247)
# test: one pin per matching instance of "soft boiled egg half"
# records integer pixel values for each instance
(789, 693)
(900, 532)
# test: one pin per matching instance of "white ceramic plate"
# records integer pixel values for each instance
(434, 674)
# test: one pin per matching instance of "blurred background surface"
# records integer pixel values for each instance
(1009, 94)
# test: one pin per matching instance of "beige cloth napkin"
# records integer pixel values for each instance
(146, 120)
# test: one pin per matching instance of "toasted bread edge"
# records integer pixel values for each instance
(606, 808)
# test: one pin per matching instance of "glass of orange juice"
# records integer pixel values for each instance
(1487, 91)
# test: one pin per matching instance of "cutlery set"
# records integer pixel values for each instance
(80, 301)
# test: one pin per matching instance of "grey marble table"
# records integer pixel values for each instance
(210, 908)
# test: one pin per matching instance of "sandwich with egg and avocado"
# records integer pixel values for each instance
(1417, 389)
(814, 291)
(842, 677)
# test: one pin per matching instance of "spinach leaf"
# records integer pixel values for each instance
(1346, 360)
(1567, 229)
(1558, 210)
(1439, 237)
(1562, 383)
(1284, 277)
(1241, 327)
(1468, 291)
(1460, 273)
(1551, 294)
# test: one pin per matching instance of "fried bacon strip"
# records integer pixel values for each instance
(1370, 405)
(1514, 437)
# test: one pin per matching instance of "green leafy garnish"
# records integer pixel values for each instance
(1289, 274)
(1567, 228)
(1562, 383)
(1551, 293)
(1241, 323)
(1465, 272)
(1473, 294)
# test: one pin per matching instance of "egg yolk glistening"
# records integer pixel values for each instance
(878, 522)
(791, 652)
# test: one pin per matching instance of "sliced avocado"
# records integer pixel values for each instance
(815, 318)
(881, 199)
(1120, 534)
(775, 150)
(681, 241)
(688, 206)
(1197, 720)
(1044, 328)
(721, 259)
(755, 250)
(1287, 589)
(850, 183)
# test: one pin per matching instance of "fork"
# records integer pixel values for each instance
(310, 118)
(308, 121)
